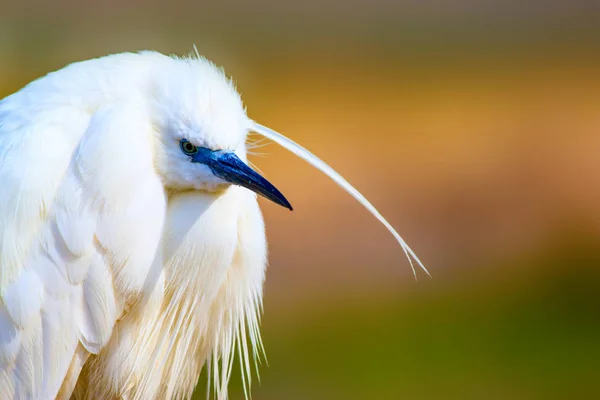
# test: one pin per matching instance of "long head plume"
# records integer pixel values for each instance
(343, 183)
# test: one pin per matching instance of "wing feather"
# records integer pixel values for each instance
(10, 339)
(78, 249)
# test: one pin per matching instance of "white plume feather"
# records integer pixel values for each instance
(343, 183)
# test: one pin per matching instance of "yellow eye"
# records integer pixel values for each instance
(188, 148)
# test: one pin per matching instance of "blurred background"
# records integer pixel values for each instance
(474, 126)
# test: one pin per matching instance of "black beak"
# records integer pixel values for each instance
(227, 166)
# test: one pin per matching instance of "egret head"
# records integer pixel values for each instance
(202, 128)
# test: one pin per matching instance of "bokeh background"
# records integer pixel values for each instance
(474, 126)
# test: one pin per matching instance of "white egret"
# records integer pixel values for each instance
(132, 247)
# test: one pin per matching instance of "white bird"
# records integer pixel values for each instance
(132, 247)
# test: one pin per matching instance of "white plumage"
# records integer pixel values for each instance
(130, 255)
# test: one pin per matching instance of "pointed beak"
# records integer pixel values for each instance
(227, 166)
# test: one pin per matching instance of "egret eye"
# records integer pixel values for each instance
(188, 148)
